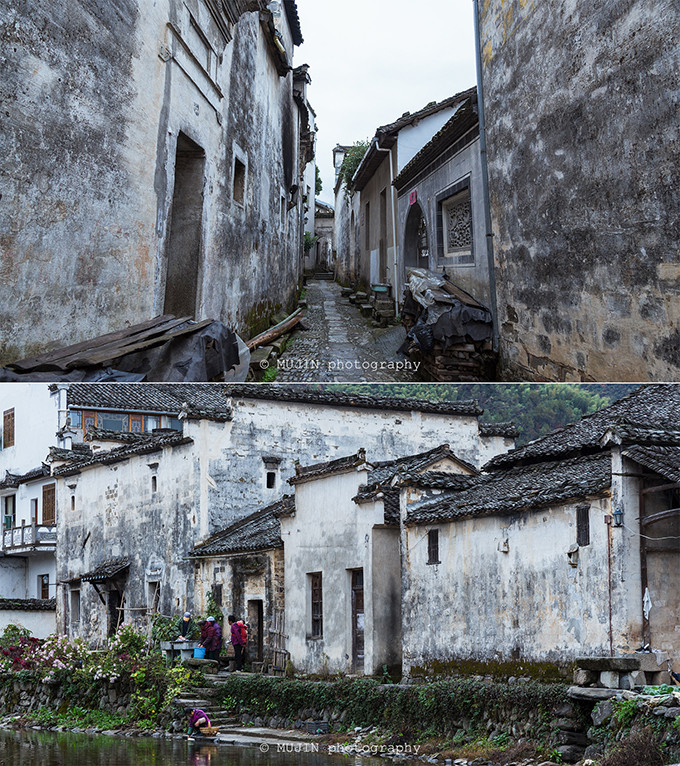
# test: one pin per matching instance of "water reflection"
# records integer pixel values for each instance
(46, 748)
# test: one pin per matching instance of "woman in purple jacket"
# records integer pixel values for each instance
(197, 719)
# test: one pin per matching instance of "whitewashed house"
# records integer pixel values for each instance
(134, 506)
(564, 548)
(343, 564)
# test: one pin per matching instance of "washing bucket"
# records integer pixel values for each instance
(199, 653)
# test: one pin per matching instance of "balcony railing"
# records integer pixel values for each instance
(29, 536)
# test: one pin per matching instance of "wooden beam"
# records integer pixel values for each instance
(659, 516)
(273, 332)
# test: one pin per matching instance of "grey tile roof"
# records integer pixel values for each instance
(142, 446)
(340, 465)
(409, 118)
(381, 475)
(305, 394)
(258, 532)
(205, 400)
(13, 480)
(105, 434)
(437, 480)
(29, 604)
(294, 20)
(507, 430)
(663, 460)
(79, 452)
(656, 406)
(519, 489)
(107, 570)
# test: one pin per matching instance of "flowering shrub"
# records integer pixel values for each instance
(80, 671)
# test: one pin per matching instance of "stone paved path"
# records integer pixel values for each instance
(339, 345)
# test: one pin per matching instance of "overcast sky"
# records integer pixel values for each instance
(372, 60)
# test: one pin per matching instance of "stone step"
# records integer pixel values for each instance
(327, 276)
(366, 309)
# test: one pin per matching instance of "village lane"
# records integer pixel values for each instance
(339, 345)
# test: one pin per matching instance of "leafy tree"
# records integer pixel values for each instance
(351, 162)
(319, 182)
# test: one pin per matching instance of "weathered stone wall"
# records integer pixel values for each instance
(234, 453)
(204, 486)
(581, 104)
(29, 695)
(331, 534)
(105, 107)
(248, 577)
(347, 232)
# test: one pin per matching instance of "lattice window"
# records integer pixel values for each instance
(8, 428)
(457, 228)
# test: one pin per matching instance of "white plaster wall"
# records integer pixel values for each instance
(13, 577)
(41, 624)
(40, 564)
(528, 603)
(35, 425)
(329, 534)
(413, 138)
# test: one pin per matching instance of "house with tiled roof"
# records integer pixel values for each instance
(342, 559)
(151, 473)
(368, 228)
(566, 547)
(441, 213)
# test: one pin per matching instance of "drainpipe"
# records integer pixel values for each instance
(485, 178)
(395, 277)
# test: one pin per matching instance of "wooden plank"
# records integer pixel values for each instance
(74, 359)
(100, 358)
(30, 363)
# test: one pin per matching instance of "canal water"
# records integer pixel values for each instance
(47, 748)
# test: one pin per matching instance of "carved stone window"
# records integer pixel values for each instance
(455, 246)
(457, 220)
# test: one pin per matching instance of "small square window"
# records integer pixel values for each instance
(239, 181)
(271, 479)
(433, 547)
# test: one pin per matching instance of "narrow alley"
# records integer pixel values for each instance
(338, 344)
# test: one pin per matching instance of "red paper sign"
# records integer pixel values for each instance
(413, 198)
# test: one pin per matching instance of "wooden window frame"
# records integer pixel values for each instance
(49, 512)
(433, 547)
(582, 525)
(8, 428)
(316, 587)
